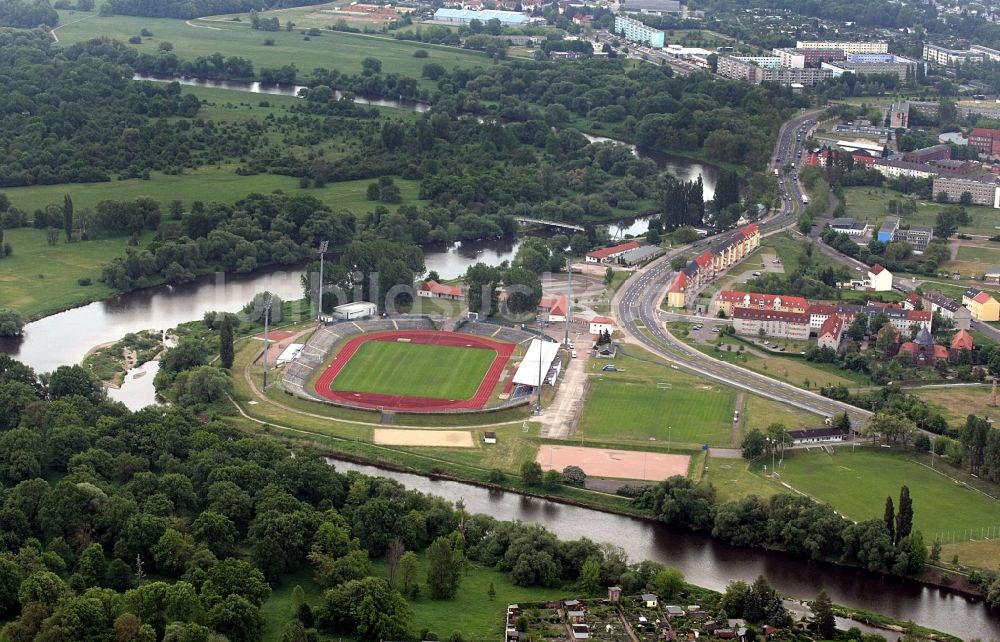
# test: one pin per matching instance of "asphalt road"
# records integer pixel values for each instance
(636, 304)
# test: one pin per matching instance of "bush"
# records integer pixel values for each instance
(135, 40)
(84, 281)
(574, 476)
(420, 53)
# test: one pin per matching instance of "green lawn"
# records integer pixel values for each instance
(979, 254)
(471, 611)
(39, 278)
(414, 369)
(332, 50)
(856, 484)
(694, 414)
(203, 184)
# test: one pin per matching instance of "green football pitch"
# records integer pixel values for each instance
(415, 370)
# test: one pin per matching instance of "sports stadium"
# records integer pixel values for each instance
(410, 365)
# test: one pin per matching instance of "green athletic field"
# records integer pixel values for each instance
(695, 414)
(415, 370)
(856, 484)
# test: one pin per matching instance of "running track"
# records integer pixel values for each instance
(403, 403)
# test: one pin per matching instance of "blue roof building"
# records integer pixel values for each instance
(465, 16)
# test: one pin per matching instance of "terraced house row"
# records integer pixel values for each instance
(707, 266)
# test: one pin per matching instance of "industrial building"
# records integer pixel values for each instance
(656, 7)
(465, 16)
(928, 154)
(868, 64)
(984, 191)
(987, 141)
(635, 31)
(846, 47)
(950, 57)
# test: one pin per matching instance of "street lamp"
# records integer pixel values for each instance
(323, 245)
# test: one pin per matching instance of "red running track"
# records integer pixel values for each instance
(404, 403)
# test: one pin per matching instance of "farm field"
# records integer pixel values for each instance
(332, 50)
(39, 279)
(869, 204)
(695, 413)
(856, 484)
(203, 184)
(416, 370)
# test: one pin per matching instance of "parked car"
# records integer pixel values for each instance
(609, 368)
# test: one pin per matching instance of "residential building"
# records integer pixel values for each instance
(610, 254)
(928, 154)
(888, 229)
(846, 47)
(599, 325)
(433, 289)
(799, 58)
(989, 54)
(736, 69)
(918, 236)
(635, 31)
(902, 319)
(984, 191)
(880, 278)
(831, 333)
(948, 308)
(992, 274)
(962, 341)
(850, 226)
(982, 306)
(729, 300)
(786, 76)
(819, 313)
(705, 267)
(816, 436)
(771, 323)
(986, 140)
(951, 57)
(897, 169)
(953, 167)
(758, 69)
(656, 7)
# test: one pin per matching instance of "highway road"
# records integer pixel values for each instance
(636, 304)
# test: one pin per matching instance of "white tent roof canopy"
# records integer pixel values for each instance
(527, 372)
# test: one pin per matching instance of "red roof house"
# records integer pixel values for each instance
(607, 254)
(962, 341)
(432, 288)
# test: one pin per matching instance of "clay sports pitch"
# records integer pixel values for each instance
(415, 370)
(621, 464)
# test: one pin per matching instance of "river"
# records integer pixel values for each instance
(713, 564)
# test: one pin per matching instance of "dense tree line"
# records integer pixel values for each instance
(257, 231)
(27, 13)
(163, 525)
(194, 8)
(793, 523)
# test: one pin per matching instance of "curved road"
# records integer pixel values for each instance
(636, 304)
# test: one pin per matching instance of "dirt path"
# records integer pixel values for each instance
(734, 432)
(560, 417)
(55, 38)
(191, 24)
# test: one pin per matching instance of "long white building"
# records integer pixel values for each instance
(635, 31)
(846, 47)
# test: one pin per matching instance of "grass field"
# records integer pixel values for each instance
(856, 484)
(732, 480)
(471, 611)
(981, 554)
(415, 370)
(869, 204)
(958, 402)
(39, 278)
(759, 412)
(203, 184)
(695, 414)
(332, 50)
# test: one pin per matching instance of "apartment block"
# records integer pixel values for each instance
(635, 31)
(846, 47)
(984, 191)
(951, 57)
(771, 323)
